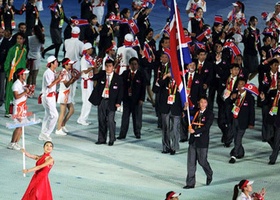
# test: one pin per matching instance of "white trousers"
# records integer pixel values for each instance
(86, 107)
(51, 114)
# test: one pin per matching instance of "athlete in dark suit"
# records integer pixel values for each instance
(57, 20)
(266, 84)
(271, 100)
(243, 117)
(133, 98)
(170, 107)
(107, 95)
(199, 143)
(32, 17)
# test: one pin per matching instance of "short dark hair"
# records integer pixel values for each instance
(274, 60)
(204, 98)
(109, 62)
(133, 59)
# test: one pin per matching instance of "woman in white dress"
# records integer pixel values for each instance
(20, 92)
(64, 97)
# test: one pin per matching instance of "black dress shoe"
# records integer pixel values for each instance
(111, 143)
(98, 142)
(271, 163)
(188, 187)
(172, 152)
(138, 137)
(232, 160)
(120, 138)
(208, 181)
(165, 152)
(183, 140)
(227, 145)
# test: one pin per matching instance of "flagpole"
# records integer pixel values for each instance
(181, 60)
(23, 154)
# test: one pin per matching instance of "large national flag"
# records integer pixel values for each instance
(179, 51)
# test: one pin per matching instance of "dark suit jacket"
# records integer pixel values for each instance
(55, 20)
(206, 75)
(203, 140)
(269, 100)
(137, 85)
(196, 89)
(277, 118)
(265, 85)
(246, 114)
(176, 107)
(30, 18)
(115, 90)
(7, 16)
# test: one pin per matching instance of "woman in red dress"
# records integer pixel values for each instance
(39, 186)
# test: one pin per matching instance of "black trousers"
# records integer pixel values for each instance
(136, 111)
(106, 120)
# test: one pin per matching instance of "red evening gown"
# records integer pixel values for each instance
(39, 187)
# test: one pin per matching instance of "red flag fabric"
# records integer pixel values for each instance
(133, 26)
(79, 22)
(250, 87)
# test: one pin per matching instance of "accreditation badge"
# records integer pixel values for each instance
(273, 110)
(13, 24)
(61, 22)
(106, 93)
(129, 92)
(226, 94)
(235, 110)
(171, 99)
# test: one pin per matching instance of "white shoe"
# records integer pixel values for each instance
(17, 146)
(8, 115)
(83, 123)
(44, 137)
(13, 146)
(60, 132)
(65, 129)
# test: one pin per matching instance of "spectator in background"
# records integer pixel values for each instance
(192, 5)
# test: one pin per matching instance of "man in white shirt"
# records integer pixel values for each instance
(49, 98)
(74, 50)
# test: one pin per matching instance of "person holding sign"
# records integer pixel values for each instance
(39, 186)
(20, 92)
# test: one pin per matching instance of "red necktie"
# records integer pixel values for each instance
(132, 75)
(190, 81)
(107, 81)
(273, 81)
(238, 100)
(199, 68)
(230, 84)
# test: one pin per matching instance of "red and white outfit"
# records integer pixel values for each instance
(127, 52)
(49, 102)
(98, 9)
(20, 108)
(64, 96)
(87, 87)
(74, 50)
